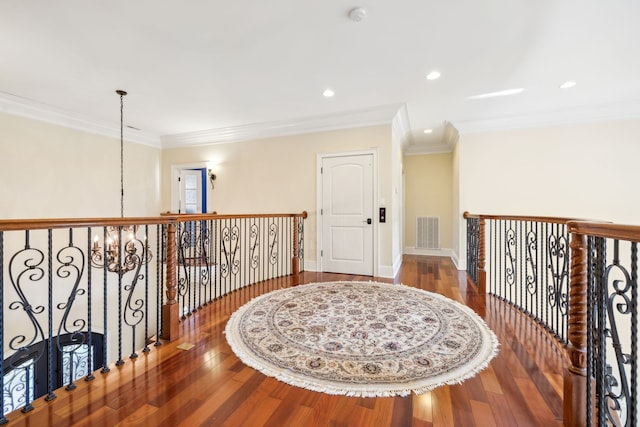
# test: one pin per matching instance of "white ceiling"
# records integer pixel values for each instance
(223, 69)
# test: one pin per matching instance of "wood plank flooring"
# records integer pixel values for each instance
(209, 386)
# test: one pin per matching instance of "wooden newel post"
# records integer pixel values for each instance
(575, 377)
(482, 274)
(170, 312)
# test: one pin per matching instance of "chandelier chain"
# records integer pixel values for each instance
(122, 94)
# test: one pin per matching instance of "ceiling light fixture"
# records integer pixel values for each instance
(116, 257)
(428, 131)
(434, 75)
(495, 94)
(567, 85)
(328, 93)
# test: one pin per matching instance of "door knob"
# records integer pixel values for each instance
(368, 221)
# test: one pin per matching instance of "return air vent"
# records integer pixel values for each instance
(428, 232)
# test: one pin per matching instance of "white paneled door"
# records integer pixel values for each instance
(347, 214)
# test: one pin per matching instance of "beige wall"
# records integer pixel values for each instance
(279, 175)
(428, 192)
(50, 171)
(585, 171)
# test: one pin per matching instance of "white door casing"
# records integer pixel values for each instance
(347, 207)
(178, 196)
(190, 183)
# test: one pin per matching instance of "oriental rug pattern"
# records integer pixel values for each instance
(362, 339)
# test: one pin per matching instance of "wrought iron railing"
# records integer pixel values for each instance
(527, 265)
(609, 278)
(473, 240)
(579, 280)
(221, 254)
(77, 295)
(72, 305)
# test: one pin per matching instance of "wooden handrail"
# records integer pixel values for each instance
(606, 229)
(165, 218)
(54, 223)
(550, 219)
(199, 217)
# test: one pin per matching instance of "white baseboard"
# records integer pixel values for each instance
(386, 271)
(429, 252)
(397, 264)
(310, 265)
(460, 264)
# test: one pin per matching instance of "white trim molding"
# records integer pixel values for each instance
(444, 144)
(449, 253)
(397, 264)
(386, 271)
(429, 252)
(401, 127)
(310, 265)
(347, 119)
(23, 107)
(175, 189)
(577, 115)
(461, 266)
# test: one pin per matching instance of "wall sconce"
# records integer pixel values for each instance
(212, 177)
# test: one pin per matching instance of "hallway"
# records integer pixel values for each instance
(208, 385)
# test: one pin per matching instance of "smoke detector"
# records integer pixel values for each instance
(357, 14)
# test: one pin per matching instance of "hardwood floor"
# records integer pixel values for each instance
(207, 385)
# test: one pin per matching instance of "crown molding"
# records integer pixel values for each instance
(401, 127)
(445, 144)
(428, 149)
(22, 107)
(577, 115)
(349, 119)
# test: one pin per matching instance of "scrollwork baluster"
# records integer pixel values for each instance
(273, 243)
(532, 269)
(72, 265)
(618, 302)
(254, 248)
(511, 260)
(133, 313)
(183, 281)
(25, 267)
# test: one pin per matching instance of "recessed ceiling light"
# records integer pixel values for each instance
(428, 131)
(433, 75)
(494, 94)
(328, 93)
(567, 85)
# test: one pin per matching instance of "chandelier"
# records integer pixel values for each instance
(121, 256)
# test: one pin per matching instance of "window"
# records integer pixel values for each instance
(26, 376)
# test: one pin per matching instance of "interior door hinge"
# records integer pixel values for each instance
(321, 211)
(321, 253)
(321, 170)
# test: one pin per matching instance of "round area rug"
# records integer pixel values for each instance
(363, 339)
